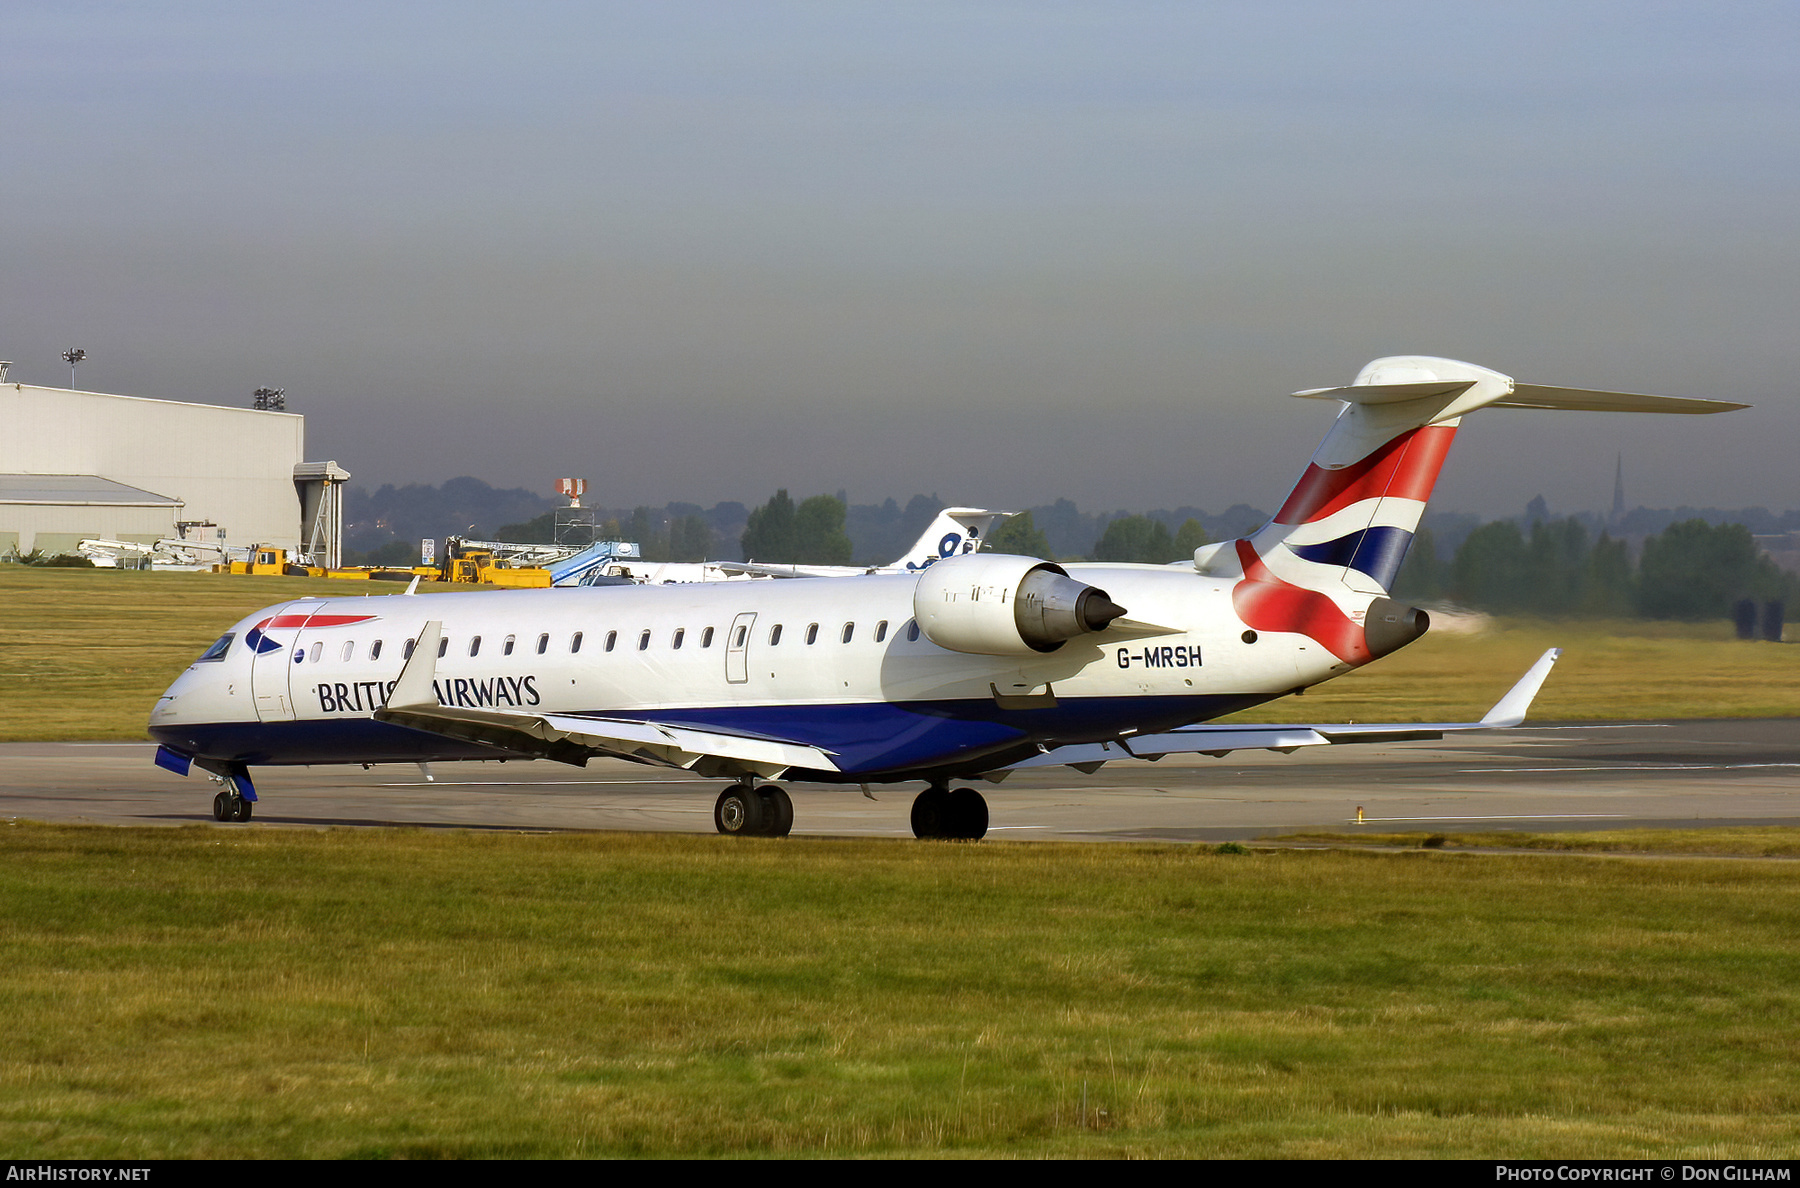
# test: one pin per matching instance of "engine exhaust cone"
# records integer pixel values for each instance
(1098, 611)
(1389, 626)
(1053, 608)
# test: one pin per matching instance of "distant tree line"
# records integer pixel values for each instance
(811, 534)
(1690, 570)
(1681, 563)
(385, 525)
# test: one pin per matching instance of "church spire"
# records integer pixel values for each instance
(1618, 506)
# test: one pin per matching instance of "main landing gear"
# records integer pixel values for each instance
(754, 812)
(940, 813)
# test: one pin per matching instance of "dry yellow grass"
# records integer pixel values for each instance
(84, 653)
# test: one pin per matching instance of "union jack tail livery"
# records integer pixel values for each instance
(1342, 533)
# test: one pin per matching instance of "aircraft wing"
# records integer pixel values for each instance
(759, 569)
(1219, 740)
(571, 738)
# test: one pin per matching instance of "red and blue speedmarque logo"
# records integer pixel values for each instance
(258, 638)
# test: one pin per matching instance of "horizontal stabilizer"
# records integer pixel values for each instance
(1388, 393)
(1588, 400)
(1518, 395)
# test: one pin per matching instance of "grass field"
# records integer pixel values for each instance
(84, 654)
(217, 992)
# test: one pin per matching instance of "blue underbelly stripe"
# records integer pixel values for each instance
(864, 737)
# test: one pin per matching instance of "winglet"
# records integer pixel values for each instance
(417, 683)
(1510, 710)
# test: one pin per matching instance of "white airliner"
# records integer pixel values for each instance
(975, 666)
(954, 531)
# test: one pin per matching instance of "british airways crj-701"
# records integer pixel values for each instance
(979, 665)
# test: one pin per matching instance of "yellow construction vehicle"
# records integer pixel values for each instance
(463, 563)
(468, 564)
(267, 560)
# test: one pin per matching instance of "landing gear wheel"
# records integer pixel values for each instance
(778, 810)
(968, 814)
(222, 807)
(931, 813)
(739, 810)
(243, 808)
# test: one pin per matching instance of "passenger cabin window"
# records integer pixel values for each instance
(375, 650)
(543, 643)
(706, 638)
(680, 634)
(443, 647)
(775, 635)
(881, 631)
(912, 631)
(742, 631)
(612, 638)
(849, 630)
(575, 643)
(218, 650)
(317, 647)
(475, 645)
(507, 647)
(407, 651)
(349, 651)
(812, 633)
(643, 641)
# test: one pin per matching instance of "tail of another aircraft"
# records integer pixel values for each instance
(955, 531)
(1343, 531)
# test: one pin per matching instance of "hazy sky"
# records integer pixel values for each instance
(1000, 252)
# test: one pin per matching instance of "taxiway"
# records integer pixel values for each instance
(1538, 778)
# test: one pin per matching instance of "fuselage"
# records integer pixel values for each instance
(838, 664)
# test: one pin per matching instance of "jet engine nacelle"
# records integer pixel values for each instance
(993, 604)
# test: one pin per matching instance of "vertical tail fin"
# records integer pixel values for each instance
(1342, 533)
(955, 531)
(1349, 521)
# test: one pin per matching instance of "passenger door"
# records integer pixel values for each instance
(273, 638)
(737, 648)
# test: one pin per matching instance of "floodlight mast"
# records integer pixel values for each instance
(73, 356)
(271, 399)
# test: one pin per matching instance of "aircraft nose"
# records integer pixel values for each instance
(195, 697)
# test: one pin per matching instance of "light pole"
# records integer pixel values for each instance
(73, 356)
(271, 399)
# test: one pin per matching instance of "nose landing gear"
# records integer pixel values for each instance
(238, 799)
(227, 807)
(754, 812)
(939, 813)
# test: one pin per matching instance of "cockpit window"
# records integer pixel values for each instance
(218, 650)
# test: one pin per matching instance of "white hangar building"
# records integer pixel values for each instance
(91, 464)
